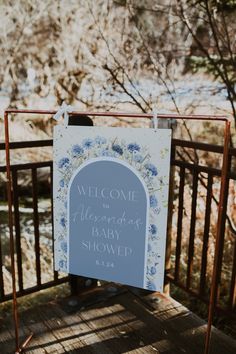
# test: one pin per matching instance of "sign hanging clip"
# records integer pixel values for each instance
(154, 120)
(63, 112)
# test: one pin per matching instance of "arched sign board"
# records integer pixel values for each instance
(110, 203)
(108, 206)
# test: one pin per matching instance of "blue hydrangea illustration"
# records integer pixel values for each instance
(63, 162)
(108, 153)
(64, 246)
(100, 140)
(153, 229)
(149, 247)
(138, 158)
(63, 222)
(77, 150)
(151, 285)
(153, 270)
(153, 201)
(151, 169)
(62, 264)
(62, 183)
(117, 148)
(133, 147)
(87, 144)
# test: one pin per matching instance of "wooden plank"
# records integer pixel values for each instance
(134, 322)
(7, 335)
(107, 322)
(111, 329)
(7, 341)
(153, 331)
(58, 328)
(185, 327)
(84, 339)
(43, 338)
(54, 322)
(133, 328)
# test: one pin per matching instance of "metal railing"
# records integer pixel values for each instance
(34, 238)
(192, 241)
(189, 175)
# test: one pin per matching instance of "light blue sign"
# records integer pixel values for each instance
(108, 206)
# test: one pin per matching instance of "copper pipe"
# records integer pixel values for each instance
(24, 344)
(10, 216)
(122, 114)
(214, 285)
(129, 115)
(18, 348)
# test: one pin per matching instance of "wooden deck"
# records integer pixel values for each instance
(113, 320)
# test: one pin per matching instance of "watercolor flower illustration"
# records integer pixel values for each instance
(133, 147)
(77, 150)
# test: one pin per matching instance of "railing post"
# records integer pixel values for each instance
(206, 232)
(10, 217)
(217, 261)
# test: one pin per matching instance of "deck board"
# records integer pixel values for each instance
(126, 321)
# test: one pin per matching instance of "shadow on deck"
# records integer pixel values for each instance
(114, 320)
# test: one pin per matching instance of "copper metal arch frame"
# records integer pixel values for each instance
(214, 286)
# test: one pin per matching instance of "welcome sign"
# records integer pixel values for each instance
(110, 203)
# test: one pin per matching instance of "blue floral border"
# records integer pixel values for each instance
(132, 153)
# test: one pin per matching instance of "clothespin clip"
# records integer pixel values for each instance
(155, 119)
(63, 112)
